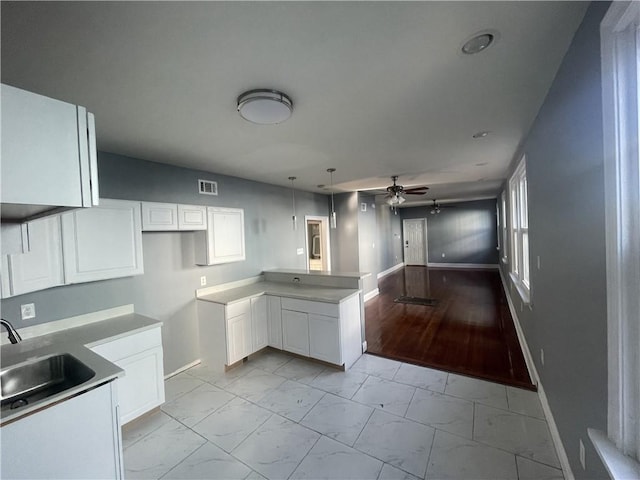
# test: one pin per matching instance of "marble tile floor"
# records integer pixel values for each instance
(281, 417)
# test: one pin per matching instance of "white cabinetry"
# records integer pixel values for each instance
(48, 154)
(223, 241)
(164, 217)
(274, 312)
(295, 332)
(140, 356)
(192, 217)
(259, 323)
(75, 439)
(229, 333)
(159, 216)
(40, 267)
(102, 242)
(325, 331)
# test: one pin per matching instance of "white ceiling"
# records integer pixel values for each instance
(378, 88)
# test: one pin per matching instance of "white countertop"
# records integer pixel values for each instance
(320, 273)
(75, 341)
(303, 292)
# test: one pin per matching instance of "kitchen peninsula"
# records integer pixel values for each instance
(309, 313)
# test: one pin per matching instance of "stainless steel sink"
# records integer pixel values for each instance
(28, 382)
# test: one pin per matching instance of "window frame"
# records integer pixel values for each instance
(519, 270)
(504, 227)
(620, 51)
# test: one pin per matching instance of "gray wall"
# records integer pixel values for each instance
(166, 291)
(566, 228)
(466, 232)
(389, 237)
(344, 239)
(367, 237)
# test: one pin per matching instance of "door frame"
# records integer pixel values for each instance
(424, 232)
(324, 220)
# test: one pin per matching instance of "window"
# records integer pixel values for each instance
(519, 229)
(620, 49)
(503, 225)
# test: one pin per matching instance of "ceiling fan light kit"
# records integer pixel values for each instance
(264, 106)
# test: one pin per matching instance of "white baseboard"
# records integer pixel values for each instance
(553, 428)
(482, 266)
(65, 323)
(373, 293)
(182, 369)
(390, 270)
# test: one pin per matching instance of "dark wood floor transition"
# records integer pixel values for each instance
(469, 330)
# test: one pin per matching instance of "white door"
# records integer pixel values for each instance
(415, 241)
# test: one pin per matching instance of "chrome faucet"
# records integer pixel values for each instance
(14, 336)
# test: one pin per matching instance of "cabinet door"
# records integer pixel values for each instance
(78, 438)
(259, 323)
(46, 151)
(102, 242)
(41, 266)
(192, 217)
(238, 337)
(159, 216)
(275, 321)
(324, 338)
(295, 332)
(142, 387)
(223, 241)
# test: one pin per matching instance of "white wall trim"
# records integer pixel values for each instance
(464, 265)
(553, 428)
(386, 272)
(373, 293)
(66, 323)
(182, 369)
(226, 286)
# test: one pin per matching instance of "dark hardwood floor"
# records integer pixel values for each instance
(469, 331)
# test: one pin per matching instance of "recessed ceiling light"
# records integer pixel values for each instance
(482, 164)
(481, 134)
(478, 43)
(264, 106)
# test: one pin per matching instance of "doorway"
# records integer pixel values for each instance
(414, 233)
(318, 250)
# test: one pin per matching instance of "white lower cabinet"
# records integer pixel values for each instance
(78, 438)
(324, 338)
(259, 323)
(238, 337)
(102, 242)
(274, 307)
(229, 333)
(295, 332)
(140, 356)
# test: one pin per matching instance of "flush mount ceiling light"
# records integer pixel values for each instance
(479, 42)
(264, 106)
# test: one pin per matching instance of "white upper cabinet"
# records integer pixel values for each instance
(192, 217)
(223, 241)
(40, 266)
(159, 216)
(48, 154)
(102, 242)
(165, 217)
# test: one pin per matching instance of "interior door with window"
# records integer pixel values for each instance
(415, 241)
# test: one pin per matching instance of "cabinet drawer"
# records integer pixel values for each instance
(130, 345)
(321, 308)
(238, 308)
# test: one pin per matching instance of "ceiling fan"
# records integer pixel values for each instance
(395, 193)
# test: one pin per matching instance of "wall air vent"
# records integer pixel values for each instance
(208, 187)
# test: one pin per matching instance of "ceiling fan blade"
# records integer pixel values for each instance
(418, 190)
